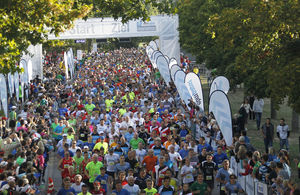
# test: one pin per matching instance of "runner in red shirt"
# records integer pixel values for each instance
(64, 165)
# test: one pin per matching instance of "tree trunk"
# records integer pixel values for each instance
(295, 121)
(273, 110)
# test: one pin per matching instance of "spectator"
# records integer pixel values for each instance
(268, 134)
(258, 106)
(283, 134)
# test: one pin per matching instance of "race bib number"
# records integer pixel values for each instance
(209, 177)
(161, 176)
(189, 177)
(82, 135)
(103, 182)
(111, 164)
(193, 163)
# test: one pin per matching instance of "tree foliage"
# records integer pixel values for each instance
(254, 42)
(23, 23)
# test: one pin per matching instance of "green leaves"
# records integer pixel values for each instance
(23, 23)
(250, 41)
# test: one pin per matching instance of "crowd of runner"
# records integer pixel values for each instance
(117, 128)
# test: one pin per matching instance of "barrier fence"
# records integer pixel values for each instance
(250, 186)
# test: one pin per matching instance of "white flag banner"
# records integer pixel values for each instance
(172, 62)
(194, 86)
(11, 84)
(167, 58)
(69, 56)
(173, 70)
(16, 83)
(153, 45)
(30, 71)
(66, 65)
(154, 56)
(162, 65)
(72, 61)
(219, 83)
(181, 88)
(149, 51)
(23, 77)
(220, 107)
(79, 54)
(3, 93)
(95, 47)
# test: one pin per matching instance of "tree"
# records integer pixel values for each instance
(259, 46)
(23, 23)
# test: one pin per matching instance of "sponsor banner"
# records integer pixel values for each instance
(162, 65)
(220, 107)
(219, 83)
(3, 93)
(173, 70)
(181, 88)
(193, 84)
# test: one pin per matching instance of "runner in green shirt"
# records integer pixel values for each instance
(150, 190)
(93, 168)
(13, 114)
(78, 158)
(72, 121)
(53, 126)
(134, 142)
(89, 107)
(199, 187)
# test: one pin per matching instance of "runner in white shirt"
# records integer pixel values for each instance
(132, 188)
(111, 160)
(187, 172)
(102, 127)
(174, 157)
(140, 152)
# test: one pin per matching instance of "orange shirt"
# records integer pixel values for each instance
(167, 144)
(150, 162)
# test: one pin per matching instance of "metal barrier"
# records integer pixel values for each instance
(250, 186)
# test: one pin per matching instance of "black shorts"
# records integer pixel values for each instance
(112, 174)
(210, 183)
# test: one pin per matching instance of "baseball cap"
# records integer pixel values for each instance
(10, 179)
(242, 139)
